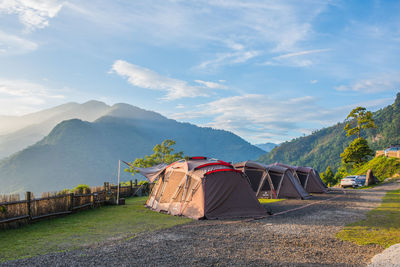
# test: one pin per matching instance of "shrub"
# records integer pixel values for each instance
(82, 189)
(144, 182)
(3, 209)
(342, 172)
(328, 177)
(63, 192)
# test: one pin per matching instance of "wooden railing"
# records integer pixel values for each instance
(19, 212)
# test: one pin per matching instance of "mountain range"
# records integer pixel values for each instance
(18, 132)
(83, 152)
(63, 152)
(322, 148)
(267, 147)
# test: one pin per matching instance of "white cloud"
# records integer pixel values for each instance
(260, 118)
(236, 57)
(212, 85)
(379, 83)
(237, 30)
(301, 53)
(148, 79)
(314, 81)
(32, 13)
(11, 44)
(296, 59)
(18, 97)
(235, 46)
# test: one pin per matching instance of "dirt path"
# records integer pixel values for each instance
(302, 233)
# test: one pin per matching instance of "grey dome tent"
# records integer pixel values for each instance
(202, 188)
(271, 181)
(309, 178)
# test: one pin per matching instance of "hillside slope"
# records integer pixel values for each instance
(323, 147)
(78, 152)
(382, 167)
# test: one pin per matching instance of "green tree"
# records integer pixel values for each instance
(363, 119)
(163, 153)
(357, 152)
(341, 173)
(328, 176)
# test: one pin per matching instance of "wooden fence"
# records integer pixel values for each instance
(15, 212)
(390, 154)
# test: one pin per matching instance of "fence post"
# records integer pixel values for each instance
(28, 197)
(92, 199)
(131, 190)
(71, 201)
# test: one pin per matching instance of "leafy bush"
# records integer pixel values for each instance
(82, 189)
(128, 183)
(3, 209)
(328, 177)
(144, 182)
(341, 173)
(63, 192)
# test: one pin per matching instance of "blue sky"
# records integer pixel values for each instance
(268, 71)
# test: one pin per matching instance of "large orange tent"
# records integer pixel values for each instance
(202, 188)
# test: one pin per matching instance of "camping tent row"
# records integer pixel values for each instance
(308, 177)
(281, 181)
(202, 188)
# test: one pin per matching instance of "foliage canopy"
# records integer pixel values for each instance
(163, 153)
(357, 152)
(363, 119)
(328, 177)
(82, 189)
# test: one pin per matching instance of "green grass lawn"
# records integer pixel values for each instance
(267, 200)
(382, 225)
(83, 229)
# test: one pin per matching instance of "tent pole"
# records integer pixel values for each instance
(261, 184)
(119, 173)
(305, 184)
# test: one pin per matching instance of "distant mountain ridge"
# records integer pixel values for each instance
(77, 151)
(19, 132)
(323, 147)
(267, 147)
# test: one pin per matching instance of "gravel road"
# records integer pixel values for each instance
(301, 233)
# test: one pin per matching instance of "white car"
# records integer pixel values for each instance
(349, 181)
